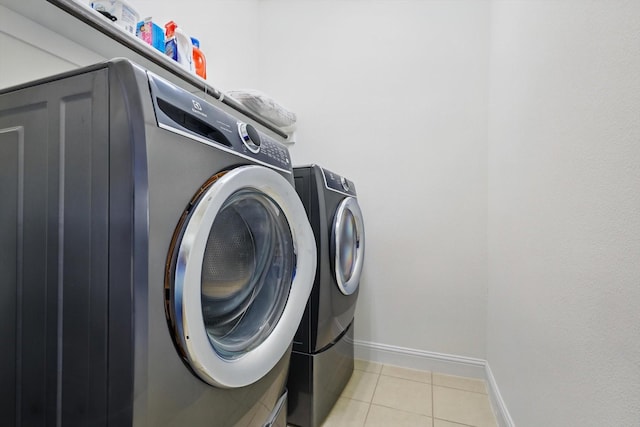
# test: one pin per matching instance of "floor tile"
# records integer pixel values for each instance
(407, 374)
(443, 423)
(462, 383)
(463, 407)
(406, 395)
(367, 366)
(381, 416)
(361, 386)
(347, 412)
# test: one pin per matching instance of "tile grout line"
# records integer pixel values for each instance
(380, 405)
(433, 408)
(403, 378)
(455, 422)
(371, 402)
(461, 389)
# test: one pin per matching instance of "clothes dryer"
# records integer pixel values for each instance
(156, 259)
(322, 358)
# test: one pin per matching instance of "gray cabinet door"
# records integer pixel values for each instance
(53, 215)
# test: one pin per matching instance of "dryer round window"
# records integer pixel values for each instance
(348, 245)
(236, 278)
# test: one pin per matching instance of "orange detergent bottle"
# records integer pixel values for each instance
(199, 60)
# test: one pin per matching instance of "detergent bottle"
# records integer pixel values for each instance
(199, 61)
(178, 46)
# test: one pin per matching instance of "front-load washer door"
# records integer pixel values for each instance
(347, 244)
(239, 274)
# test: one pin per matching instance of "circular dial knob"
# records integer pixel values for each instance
(345, 184)
(250, 137)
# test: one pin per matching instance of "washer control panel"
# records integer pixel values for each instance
(186, 114)
(338, 183)
(275, 151)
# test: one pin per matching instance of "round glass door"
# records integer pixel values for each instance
(246, 272)
(240, 272)
(348, 245)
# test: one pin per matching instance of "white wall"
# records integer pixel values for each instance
(564, 212)
(394, 95)
(30, 51)
(34, 62)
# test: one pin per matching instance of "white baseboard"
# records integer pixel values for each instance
(420, 359)
(498, 404)
(437, 362)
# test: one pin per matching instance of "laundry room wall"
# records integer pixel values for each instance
(394, 95)
(564, 212)
(30, 51)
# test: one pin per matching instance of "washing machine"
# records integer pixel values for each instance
(155, 257)
(322, 359)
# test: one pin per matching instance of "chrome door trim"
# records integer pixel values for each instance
(256, 363)
(350, 285)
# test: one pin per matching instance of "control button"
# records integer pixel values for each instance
(345, 184)
(250, 137)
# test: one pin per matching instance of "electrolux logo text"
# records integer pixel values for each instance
(197, 108)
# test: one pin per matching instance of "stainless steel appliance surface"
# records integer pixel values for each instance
(322, 359)
(156, 259)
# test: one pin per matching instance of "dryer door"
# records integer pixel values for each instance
(347, 244)
(239, 274)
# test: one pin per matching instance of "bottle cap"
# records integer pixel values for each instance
(170, 28)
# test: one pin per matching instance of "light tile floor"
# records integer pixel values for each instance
(383, 395)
